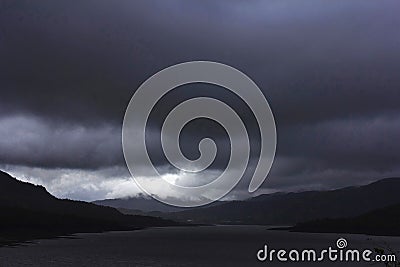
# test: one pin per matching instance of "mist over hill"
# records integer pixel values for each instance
(276, 209)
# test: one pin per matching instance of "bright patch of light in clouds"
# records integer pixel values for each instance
(107, 183)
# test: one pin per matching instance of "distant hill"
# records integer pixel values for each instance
(384, 221)
(29, 211)
(140, 204)
(143, 205)
(292, 208)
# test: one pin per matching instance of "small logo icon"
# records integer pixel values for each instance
(341, 243)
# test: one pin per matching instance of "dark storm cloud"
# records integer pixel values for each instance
(84, 61)
(329, 70)
(354, 145)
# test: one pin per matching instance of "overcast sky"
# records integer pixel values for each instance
(329, 69)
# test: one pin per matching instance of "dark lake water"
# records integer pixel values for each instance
(181, 246)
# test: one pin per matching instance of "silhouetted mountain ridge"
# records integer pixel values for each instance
(384, 221)
(292, 208)
(28, 210)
